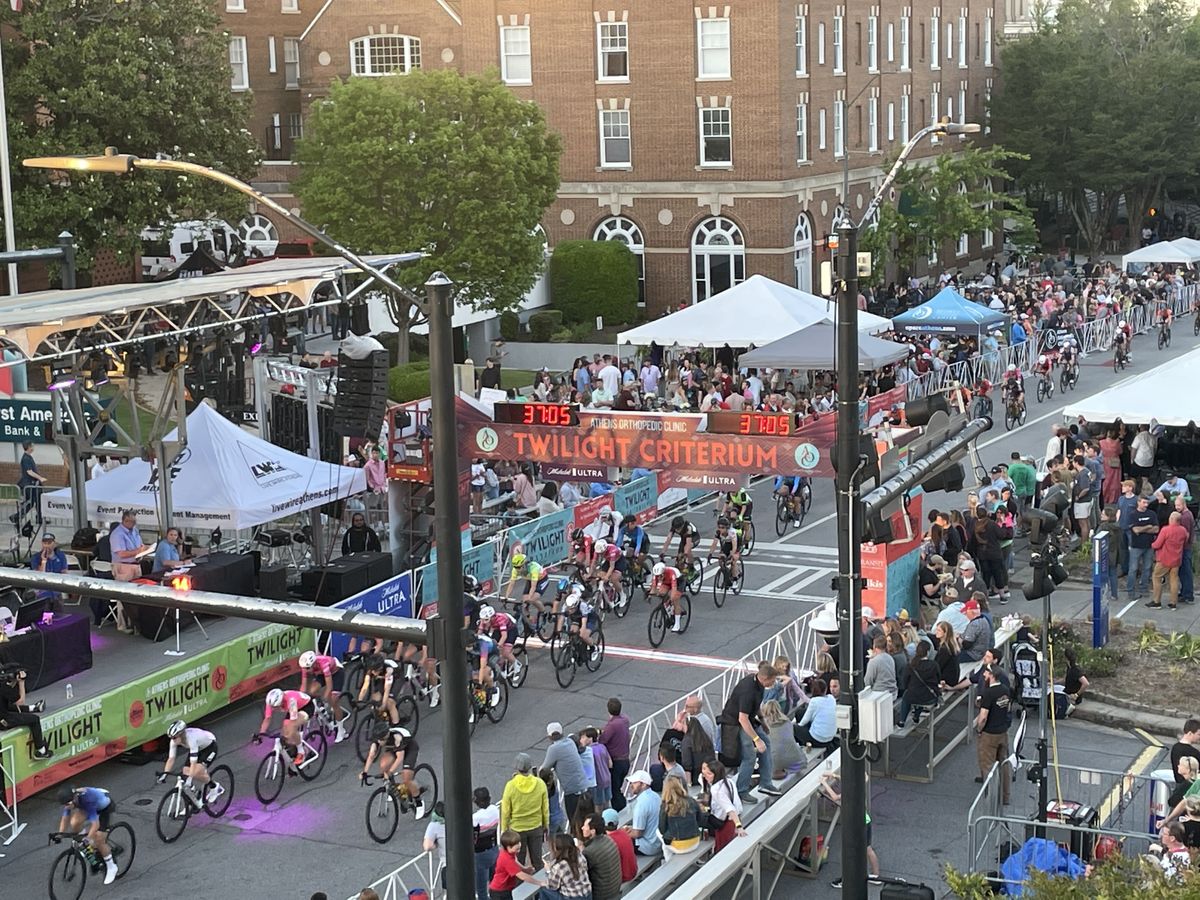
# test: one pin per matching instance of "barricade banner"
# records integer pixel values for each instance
(545, 539)
(479, 561)
(393, 597)
(639, 497)
(704, 483)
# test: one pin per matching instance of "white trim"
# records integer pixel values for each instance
(294, 44)
(618, 113)
(622, 32)
(315, 19)
(714, 113)
(700, 35)
(802, 133)
(410, 44)
(905, 43)
(289, 6)
(238, 6)
(238, 40)
(505, 32)
(935, 40)
(839, 45)
(449, 10)
(272, 66)
(801, 44)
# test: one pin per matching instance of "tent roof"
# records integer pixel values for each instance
(948, 310)
(1145, 396)
(225, 477)
(1163, 252)
(813, 348)
(757, 311)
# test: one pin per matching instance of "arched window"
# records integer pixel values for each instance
(803, 246)
(718, 257)
(385, 54)
(619, 228)
(258, 233)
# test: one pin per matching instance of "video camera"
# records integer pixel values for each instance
(11, 673)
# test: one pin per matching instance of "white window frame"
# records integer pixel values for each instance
(905, 105)
(820, 43)
(801, 44)
(627, 232)
(802, 253)
(935, 37)
(238, 66)
(891, 121)
(235, 5)
(507, 35)
(412, 55)
(295, 126)
(891, 42)
(709, 115)
(988, 238)
(962, 106)
(935, 104)
(291, 63)
(716, 236)
(802, 133)
(988, 25)
(949, 41)
(289, 6)
(713, 30)
(614, 116)
(272, 64)
(962, 41)
(872, 43)
(839, 129)
(616, 43)
(905, 43)
(839, 45)
(821, 128)
(963, 245)
(987, 106)
(276, 132)
(873, 124)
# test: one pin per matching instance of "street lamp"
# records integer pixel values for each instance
(444, 630)
(850, 515)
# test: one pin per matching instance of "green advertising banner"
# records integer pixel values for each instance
(94, 730)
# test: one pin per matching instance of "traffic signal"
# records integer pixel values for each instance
(949, 479)
(877, 529)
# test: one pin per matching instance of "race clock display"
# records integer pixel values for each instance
(552, 414)
(755, 424)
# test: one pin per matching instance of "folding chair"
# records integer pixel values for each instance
(102, 569)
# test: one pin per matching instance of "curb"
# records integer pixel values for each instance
(1134, 706)
(1126, 719)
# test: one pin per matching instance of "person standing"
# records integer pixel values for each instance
(1168, 556)
(1117, 553)
(562, 758)
(1188, 521)
(615, 738)
(1024, 480)
(992, 724)
(525, 810)
(1110, 451)
(1141, 454)
(485, 823)
(359, 537)
(1187, 745)
(30, 484)
(742, 728)
(1143, 526)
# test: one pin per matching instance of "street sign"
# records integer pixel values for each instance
(25, 420)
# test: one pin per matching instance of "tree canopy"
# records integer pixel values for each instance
(144, 76)
(1105, 103)
(453, 165)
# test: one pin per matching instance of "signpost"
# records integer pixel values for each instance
(1100, 593)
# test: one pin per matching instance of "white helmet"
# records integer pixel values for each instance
(997, 333)
(1011, 368)
(307, 658)
(573, 599)
(176, 728)
(600, 546)
(402, 732)
(274, 697)
(658, 570)
(487, 613)
(1042, 360)
(1121, 324)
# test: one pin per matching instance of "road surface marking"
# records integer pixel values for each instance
(1128, 606)
(1148, 737)
(1116, 796)
(657, 656)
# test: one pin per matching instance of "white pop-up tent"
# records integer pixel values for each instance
(1182, 251)
(757, 311)
(225, 477)
(1155, 394)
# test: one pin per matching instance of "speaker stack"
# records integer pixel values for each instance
(362, 390)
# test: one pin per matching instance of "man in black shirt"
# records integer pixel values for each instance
(14, 713)
(490, 376)
(1186, 746)
(992, 723)
(358, 537)
(741, 727)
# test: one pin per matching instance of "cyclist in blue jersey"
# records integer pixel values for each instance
(94, 807)
(793, 489)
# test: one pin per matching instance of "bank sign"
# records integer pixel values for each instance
(25, 420)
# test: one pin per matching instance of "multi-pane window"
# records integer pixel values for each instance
(235, 5)
(615, 138)
(873, 43)
(839, 128)
(291, 62)
(935, 32)
(949, 41)
(839, 40)
(935, 103)
(295, 126)
(801, 132)
(987, 107)
(962, 102)
(712, 38)
(872, 124)
(716, 136)
(516, 55)
(905, 35)
(239, 74)
(988, 24)
(962, 41)
(801, 44)
(612, 41)
(891, 42)
(383, 54)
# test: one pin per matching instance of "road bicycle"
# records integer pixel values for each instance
(180, 802)
(406, 715)
(69, 872)
(662, 617)
(1045, 387)
(397, 798)
(790, 509)
(1069, 377)
(692, 572)
(744, 527)
(573, 652)
(634, 577)
(1120, 357)
(328, 720)
(480, 699)
(724, 580)
(1164, 335)
(268, 780)
(1014, 413)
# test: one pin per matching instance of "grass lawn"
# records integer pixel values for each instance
(121, 415)
(516, 378)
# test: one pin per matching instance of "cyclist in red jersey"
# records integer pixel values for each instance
(666, 581)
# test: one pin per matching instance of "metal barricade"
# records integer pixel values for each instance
(11, 825)
(422, 872)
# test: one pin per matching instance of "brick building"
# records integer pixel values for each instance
(710, 138)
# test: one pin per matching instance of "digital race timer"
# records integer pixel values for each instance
(771, 424)
(556, 414)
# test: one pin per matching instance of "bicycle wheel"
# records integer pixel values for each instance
(223, 776)
(805, 500)
(697, 570)
(268, 781)
(1022, 413)
(408, 713)
(312, 765)
(748, 536)
(473, 713)
(621, 600)
(517, 672)
(362, 736)
(720, 585)
(657, 628)
(174, 810)
(425, 778)
(686, 617)
(1063, 380)
(383, 814)
(1041, 390)
(1010, 418)
(352, 683)
(1162, 339)
(736, 584)
(545, 626)
(122, 844)
(596, 657)
(68, 876)
(564, 668)
(496, 712)
(556, 647)
(781, 516)
(1196, 326)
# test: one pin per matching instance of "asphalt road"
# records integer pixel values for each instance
(314, 838)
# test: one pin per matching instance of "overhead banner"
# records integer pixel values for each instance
(704, 481)
(392, 597)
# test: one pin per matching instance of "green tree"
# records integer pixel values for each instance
(594, 278)
(958, 193)
(454, 165)
(1103, 101)
(145, 76)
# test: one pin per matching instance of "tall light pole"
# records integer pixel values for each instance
(850, 516)
(445, 630)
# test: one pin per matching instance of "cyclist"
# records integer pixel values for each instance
(202, 750)
(581, 548)
(726, 543)
(377, 685)
(738, 504)
(1165, 317)
(793, 489)
(581, 617)
(298, 708)
(497, 630)
(688, 536)
(1042, 368)
(472, 602)
(95, 807)
(316, 679)
(634, 540)
(525, 568)
(1120, 343)
(609, 524)
(1069, 356)
(1014, 386)
(666, 581)
(396, 748)
(609, 562)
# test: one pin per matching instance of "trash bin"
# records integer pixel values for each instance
(1162, 782)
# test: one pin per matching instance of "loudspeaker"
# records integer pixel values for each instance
(362, 389)
(949, 479)
(917, 412)
(272, 582)
(378, 566)
(327, 585)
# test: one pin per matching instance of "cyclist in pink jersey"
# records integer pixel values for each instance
(316, 678)
(297, 708)
(608, 561)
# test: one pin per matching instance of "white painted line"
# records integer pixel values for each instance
(1126, 608)
(805, 598)
(793, 548)
(809, 579)
(658, 656)
(795, 572)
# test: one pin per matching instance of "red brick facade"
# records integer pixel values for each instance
(743, 83)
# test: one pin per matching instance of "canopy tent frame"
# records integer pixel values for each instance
(799, 350)
(1152, 395)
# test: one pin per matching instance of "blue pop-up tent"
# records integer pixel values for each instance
(949, 311)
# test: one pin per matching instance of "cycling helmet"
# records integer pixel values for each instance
(518, 560)
(380, 732)
(572, 600)
(630, 519)
(307, 658)
(274, 697)
(374, 661)
(487, 613)
(65, 795)
(1011, 368)
(600, 546)
(1121, 324)
(722, 522)
(470, 584)
(176, 729)
(658, 570)
(401, 732)
(577, 534)
(678, 523)
(1041, 360)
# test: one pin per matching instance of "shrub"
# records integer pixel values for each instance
(593, 278)
(510, 325)
(544, 323)
(1101, 663)
(583, 332)
(409, 382)
(562, 336)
